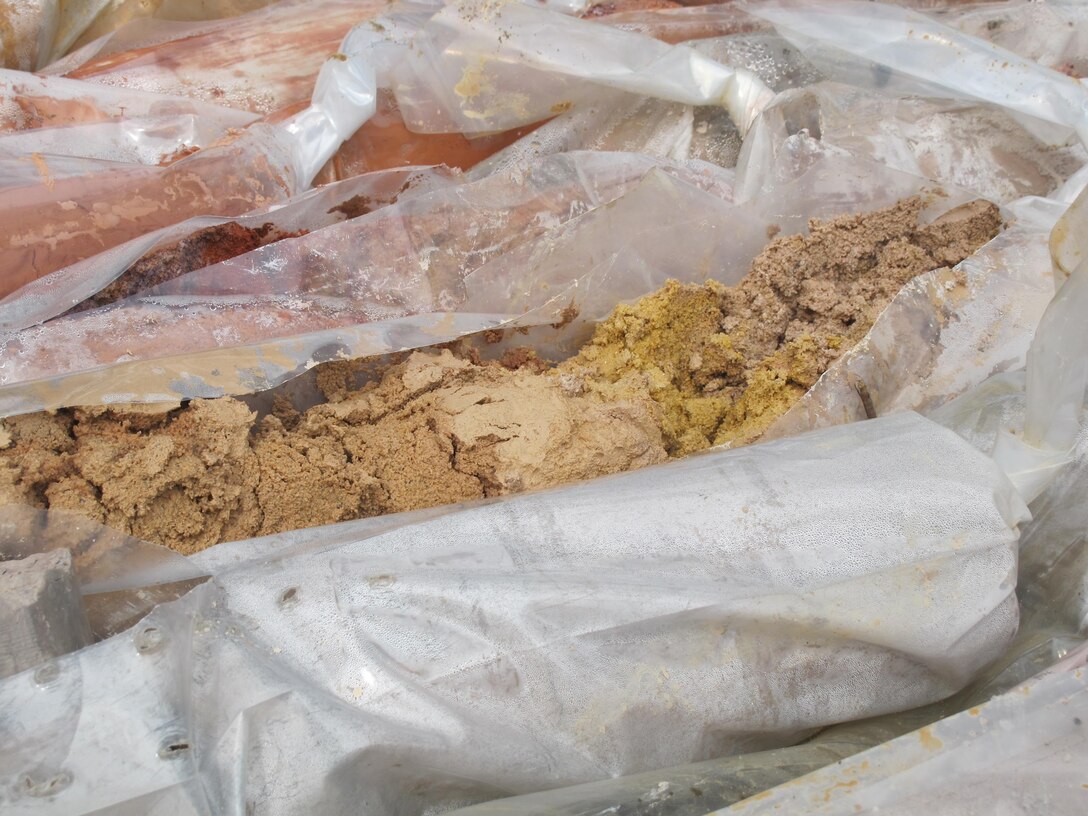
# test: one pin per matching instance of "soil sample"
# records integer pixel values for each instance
(725, 362)
(684, 368)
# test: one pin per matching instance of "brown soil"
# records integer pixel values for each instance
(725, 362)
(681, 369)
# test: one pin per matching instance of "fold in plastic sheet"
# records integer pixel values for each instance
(973, 146)
(260, 62)
(414, 274)
(944, 333)
(82, 21)
(1052, 34)
(134, 140)
(616, 120)
(56, 293)
(27, 34)
(873, 44)
(470, 69)
(29, 101)
(1022, 752)
(676, 25)
(62, 220)
(729, 602)
(120, 578)
(393, 279)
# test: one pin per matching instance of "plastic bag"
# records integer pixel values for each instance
(469, 69)
(848, 37)
(29, 101)
(56, 223)
(1051, 34)
(27, 33)
(152, 140)
(644, 618)
(1018, 751)
(82, 21)
(261, 62)
(266, 316)
(974, 147)
(615, 120)
(56, 293)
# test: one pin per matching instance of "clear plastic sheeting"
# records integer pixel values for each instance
(616, 626)
(976, 147)
(56, 293)
(1053, 592)
(471, 69)
(1052, 34)
(29, 101)
(27, 33)
(944, 333)
(1018, 753)
(849, 37)
(265, 316)
(120, 578)
(260, 62)
(519, 249)
(132, 140)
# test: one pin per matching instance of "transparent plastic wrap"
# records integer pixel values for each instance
(82, 21)
(64, 219)
(27, 33)
(615, 120)
(29, 101)
(944, 333)
(152, 140)
(262, 318)
(860, 41)
(1020, 752)
(383, 142)
(1052, 34)
(144, 262)
(120, 578)
(469, 69)
(260, 62)
(605, 628)
(975, 147)
(676, 25)
(55, 223)
(1053, 591)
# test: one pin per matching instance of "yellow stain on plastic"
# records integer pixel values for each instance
(929, 741)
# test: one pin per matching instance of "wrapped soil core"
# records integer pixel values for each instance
(680, 370)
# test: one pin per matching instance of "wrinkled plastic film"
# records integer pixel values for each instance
(649, 601)
(462, 74)
(919, 47)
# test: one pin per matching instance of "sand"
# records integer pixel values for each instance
(682, 369)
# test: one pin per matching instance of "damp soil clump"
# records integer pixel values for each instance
(725, 362)
(682, 369)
